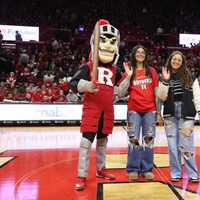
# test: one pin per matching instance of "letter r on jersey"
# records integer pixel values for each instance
(105, 76)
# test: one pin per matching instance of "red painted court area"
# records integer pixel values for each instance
(50, 175)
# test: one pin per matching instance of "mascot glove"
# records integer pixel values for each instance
(87, 86)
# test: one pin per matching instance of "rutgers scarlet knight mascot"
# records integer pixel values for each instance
(96, 80)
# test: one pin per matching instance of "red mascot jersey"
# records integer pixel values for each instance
(102, 101)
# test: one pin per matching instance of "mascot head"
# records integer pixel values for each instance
(108, 43)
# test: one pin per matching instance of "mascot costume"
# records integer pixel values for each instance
(96, 80)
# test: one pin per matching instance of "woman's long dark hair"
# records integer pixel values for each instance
(134, 62)
(183, 73)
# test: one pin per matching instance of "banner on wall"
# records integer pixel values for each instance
(42, 112)
(35, 113)
(189, 40)
(28, 33)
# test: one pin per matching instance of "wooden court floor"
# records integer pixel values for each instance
(39, 163)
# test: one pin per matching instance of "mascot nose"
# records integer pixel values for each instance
(107, 44)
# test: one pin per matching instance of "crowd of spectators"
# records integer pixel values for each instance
(41, 72)
(176, 16)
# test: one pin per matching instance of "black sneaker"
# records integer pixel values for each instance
(194, 180)
(177, 179)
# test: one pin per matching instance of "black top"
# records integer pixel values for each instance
(176, 87)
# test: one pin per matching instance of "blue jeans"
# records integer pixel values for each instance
(179, 133)
(140, 154)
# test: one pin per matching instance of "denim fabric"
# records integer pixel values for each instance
(180, 142)
(140, 156)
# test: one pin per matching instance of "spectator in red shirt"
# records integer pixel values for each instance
(61, 98)
(64, 85)
(10, 96)
(11, 79)
(36, 96)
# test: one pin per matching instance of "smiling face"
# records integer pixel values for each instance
(176, 62)
(140, 55)
(108, 46)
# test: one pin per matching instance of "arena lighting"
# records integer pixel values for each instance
(189, 40)
(81, 28)
(28, 33)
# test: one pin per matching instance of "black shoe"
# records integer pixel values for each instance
(194, 180)
(177, 179)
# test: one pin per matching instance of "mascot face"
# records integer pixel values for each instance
(108, 43)
(108, 47)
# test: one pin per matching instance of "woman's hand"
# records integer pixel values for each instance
(128, 69)
(165, 74)
(159, 120)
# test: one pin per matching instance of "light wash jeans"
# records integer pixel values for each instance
(140, 154)
(179, 133)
